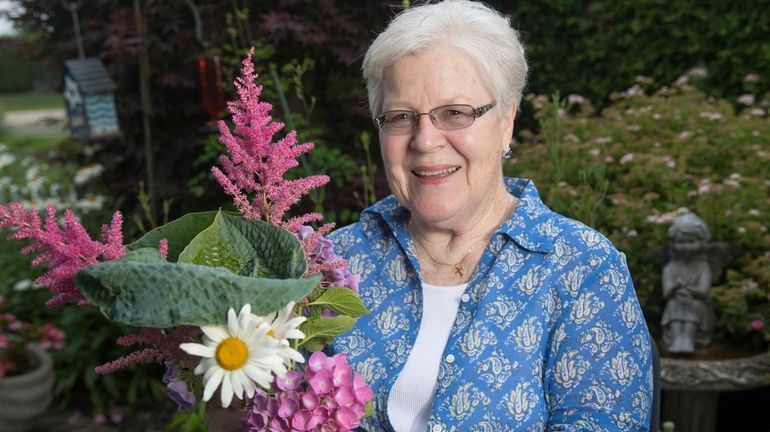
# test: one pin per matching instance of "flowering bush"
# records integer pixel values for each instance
(183, 282)
(649, 157)
(14, 337)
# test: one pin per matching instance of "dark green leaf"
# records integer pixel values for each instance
(178, 232)
(142, 291)
(248, 248)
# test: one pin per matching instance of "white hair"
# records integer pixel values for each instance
(475, 29)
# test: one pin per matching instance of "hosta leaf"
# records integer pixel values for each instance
(178, 232)
(144, 290)
(248, 248)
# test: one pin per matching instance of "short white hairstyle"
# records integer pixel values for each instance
(475, 29)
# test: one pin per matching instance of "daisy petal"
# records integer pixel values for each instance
(226, 391)
(213, 383)
(215, 333)
(197, 349)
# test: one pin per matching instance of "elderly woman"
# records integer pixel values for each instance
(488, 310)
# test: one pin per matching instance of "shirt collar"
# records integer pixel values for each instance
(531, 225)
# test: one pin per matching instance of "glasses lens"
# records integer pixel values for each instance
(397, 122)
(451, 117)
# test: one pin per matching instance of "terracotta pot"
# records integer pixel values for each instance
(23, 398)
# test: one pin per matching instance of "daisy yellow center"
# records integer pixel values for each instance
(232, 353)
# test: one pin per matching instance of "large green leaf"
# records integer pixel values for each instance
(248, 248)
(342, 300)
(145, 290)
(318, 332)
(178, 232)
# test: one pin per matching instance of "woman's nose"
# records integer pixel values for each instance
(426, 137)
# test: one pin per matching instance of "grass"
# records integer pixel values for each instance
(30, 101)
(30, 143)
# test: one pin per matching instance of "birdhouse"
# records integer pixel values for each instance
(88, 92)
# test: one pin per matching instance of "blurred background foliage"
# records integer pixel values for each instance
(308, 54)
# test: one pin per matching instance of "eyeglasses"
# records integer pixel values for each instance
(447, 117)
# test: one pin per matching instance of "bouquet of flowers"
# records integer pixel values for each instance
(243, 303)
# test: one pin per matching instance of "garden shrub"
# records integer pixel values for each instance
(645, 158)
(593, 48)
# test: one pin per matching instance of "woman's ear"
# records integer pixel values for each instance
(509, 118)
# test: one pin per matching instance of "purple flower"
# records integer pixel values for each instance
(178, 392)
(329, 397)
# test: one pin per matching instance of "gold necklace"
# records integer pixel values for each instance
(459, 266)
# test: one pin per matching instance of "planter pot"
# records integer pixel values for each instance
(23, 398)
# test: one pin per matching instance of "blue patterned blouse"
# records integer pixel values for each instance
(549, 335)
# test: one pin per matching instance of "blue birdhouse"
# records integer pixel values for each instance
(88, 92)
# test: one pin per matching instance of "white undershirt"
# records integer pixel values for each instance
(411, 397)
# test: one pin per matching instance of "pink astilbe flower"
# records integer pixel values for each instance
(253, 173)
(65, 250)
(165, 348)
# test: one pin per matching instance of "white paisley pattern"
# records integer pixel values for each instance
(549, 337)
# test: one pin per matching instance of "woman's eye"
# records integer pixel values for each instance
(398, 117)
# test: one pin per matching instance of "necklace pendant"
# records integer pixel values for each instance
(459, 268)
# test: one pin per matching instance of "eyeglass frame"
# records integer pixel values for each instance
(477, 112)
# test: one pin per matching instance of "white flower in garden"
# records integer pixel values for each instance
(626, 158)
(633, 128)
(603, 140)
(85, 173)
(713, 116)
(238, 356)
(91, 202)
(6, 159)
(685, 135)
(751, 78)
(754, 212)
(576, 99)
(746, 99)
(759, 112)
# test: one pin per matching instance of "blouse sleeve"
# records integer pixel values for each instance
(598, 372)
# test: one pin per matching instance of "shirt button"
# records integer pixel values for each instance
(436, 428)
(465, 298)
(450, 358)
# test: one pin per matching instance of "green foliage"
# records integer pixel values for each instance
(127, 291)
(319, 331)
(18, 71)
(256, 249)
(30, 101)
(646, 158)
(605, 44)
(341, 300)
(190, 420)
(179, 233)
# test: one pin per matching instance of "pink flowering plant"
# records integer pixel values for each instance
(15, 334)
(227, 301)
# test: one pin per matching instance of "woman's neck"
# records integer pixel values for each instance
(448, 255)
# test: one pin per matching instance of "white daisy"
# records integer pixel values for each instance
(284, 327)
(238, 356)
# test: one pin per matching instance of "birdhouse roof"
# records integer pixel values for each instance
(90, 74)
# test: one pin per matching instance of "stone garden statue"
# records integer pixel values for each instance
(694, 264)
